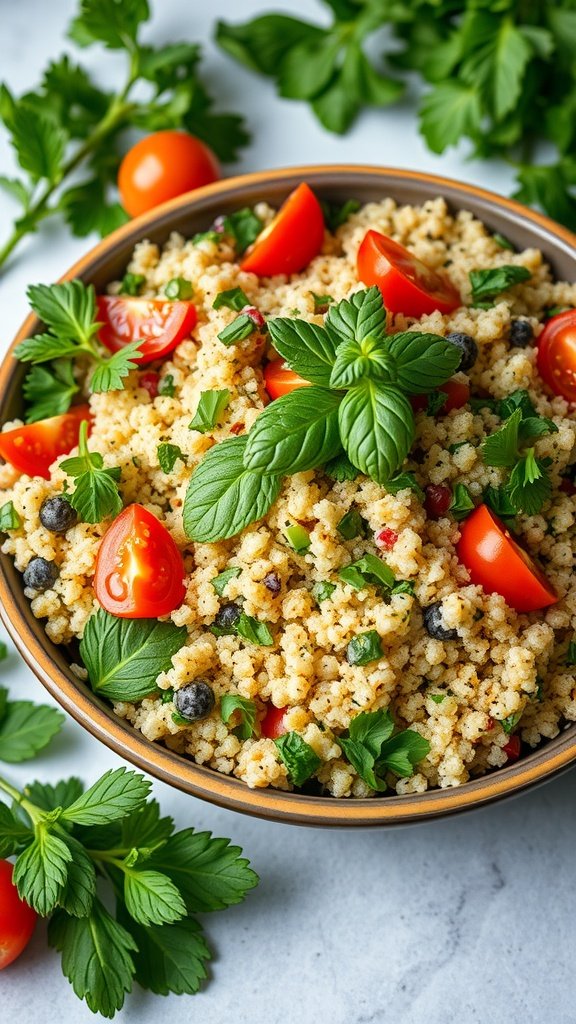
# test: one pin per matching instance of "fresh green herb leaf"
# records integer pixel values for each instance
(151, 897)
(367, 358)
(529, 486)
(77, 897)
(369, 569)
(232, 704)
(168, 455)
(95, 496)
(437, 697)
(372, 749)
(436, 402)
(49, 392)
(240, 328)
(335, 215)
(462, 503)
(169, 958)
(404, 481)
(207, 236)
(209, 410)
(488, 284)
(208, 872)
(298, 431)
(510, 722)
(42, 869)
(179, 288)
(26, 728)
(377, 428)
(453, 448)
(244, 227)
(68, 309)
(423, 361)
(323, 591)
(9, 518)
(221, 581)
(117, 793)
(166, 386)
(308, 349)
(498, 499)
(234, 299)
(501, 447)
(340, 469)
(109, 375)
(503, 242)
(298, 538)
(504, 407)
(132, 284)
(223, 496)
(358, 318)
(300, 759)
(321, 302)
(254, 631)
(48, 797)
(13, 833)
(364, 648)
(403, 587)
(124, 657)
(571, 653)
(351, 525)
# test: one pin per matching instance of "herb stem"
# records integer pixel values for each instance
(33, 812)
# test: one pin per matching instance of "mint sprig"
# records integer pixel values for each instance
(529, 486)
(372, 748)
(95, 496)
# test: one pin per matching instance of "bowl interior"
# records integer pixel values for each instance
(188, 215)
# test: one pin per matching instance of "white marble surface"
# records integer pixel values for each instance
(468, 920)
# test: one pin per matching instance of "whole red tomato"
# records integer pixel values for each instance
(164, 165)
(17, 919)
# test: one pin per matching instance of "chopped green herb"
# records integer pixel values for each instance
(488, 284)
(95, 496)
(207, 236)
(167, 696)
(242, 327)
(529, 485)
(321, 302)
(9, 518)
(453, 448)
(340, 468)
(254, 630)
(234, 299)
(510, 722)
(233, 703)
(404, 481)
(298, 538)
(555, 311)
(503, 242)
(403, 587)
(209, 410)
(436, 402)
(300, 759)
(364, 648)
(179, 288)
(437, 697)
(337, 214)
(166, 386)
(351, 525)
(244, 227)
(221, 581)
(498, 499)
(368, 570)
(462, 504)
(132, 284)
(372, 749)
(168, 454)
(519, 399)
(179, 719)
(323, 591)
(49, 390)
(571, 653)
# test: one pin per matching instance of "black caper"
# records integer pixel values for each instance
(57, 514)
(521, 333)
(227, 617)
(433, 623)
(468, 348)
(194, 701)
(272, 582)
(40, 574)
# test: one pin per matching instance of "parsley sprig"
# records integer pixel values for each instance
(95, 496)
(373, 748)
(357, 406)
(70, 125)
(528, 486)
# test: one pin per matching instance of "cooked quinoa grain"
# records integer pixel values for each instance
(448, 660)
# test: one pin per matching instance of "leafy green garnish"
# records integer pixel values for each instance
(244, 227)
(209, 410)
(570, 658)
(404, 481)
(364, 648)
(298, 538)
(323, 591)
(296, 432)
(510, 722)
(49, 390)
(487, 284)
(372, 749)
(168, 454)
(503, 242)
(95, 496)
(529, 485)
(233, 703)
(335, 215)
(254, 631)
(9, 518)
(321, 302)
(240, 328)
(132, 284)
(340, 469)
(369, 569)
(300, 759)
(179, 288)
(351, 525)
(221, 581)
(166, 386)
(26, 728)
(234, 299)
(462, 503)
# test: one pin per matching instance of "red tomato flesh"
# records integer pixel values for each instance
(512, 748)
(17, 919)
(496, 562)
(556, 355)
(280, 380)
(407, 285)
(32, 449)
(164, 165)
(272, 725)
(160, 323)
(139, 570)
(458, 392)
(292, 240)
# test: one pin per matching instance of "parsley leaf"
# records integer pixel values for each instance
(49, 392)
(169, 958)
(323, 591)
(488, 284)
(369, 569)
(364, 648)
(529, 485)
(254, 630)
(501, 447)
(95, 496)
(351, 525)
(42, 869)
(462, 503)
(168, 455)
(108, 376)
(244, 227)
(209, 873)
(300, 759)
(151, 897)
(232, 704)
(209, 410)
(117, 793)
(372, 749)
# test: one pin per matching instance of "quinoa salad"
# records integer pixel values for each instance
(298, 493)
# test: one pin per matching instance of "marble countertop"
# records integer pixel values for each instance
(467, 920)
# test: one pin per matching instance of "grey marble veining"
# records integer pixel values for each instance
(463, 921)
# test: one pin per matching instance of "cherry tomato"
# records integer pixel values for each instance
(556, 356)
(160, 323)
(280, 380)
(294, 237)
(164, 165)
(272, 725)
(32, 449)
(438, 500)
(512, 748)
(17, 919)
(139, 570)
(407, 285)
(458, 392)
(496, 562)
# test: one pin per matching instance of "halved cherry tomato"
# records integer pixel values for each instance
(139, 570)
(32, 449)
(294, 237)
(160, 323)
(458, 392)
(496, 562)
(17, 919)
(556, 356)
(512, 749)
(280, 380)
(164, 165)
(407, 284)
(272, 725)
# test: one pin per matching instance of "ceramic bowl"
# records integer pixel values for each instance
(189, 214)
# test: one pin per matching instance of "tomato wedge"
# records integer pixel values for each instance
(498, 564)
(407, 285)
(280, 380)
(556, 356)
(139, 570)
(272, 725)
(32, 449)
(294, 237)
(17, 919)
(160, 323)
(457, 392)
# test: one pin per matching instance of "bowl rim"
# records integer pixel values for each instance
(208, 784)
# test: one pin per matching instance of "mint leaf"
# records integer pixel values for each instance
(422, 361)
(377, 429)
(124, 657)
(168, 455)
(244, 227)
(117, 793)
(209, 410)
(208, 872)
(151, 898)
(308, 349)
(364, 648)
(233, 298)
(296, 432)
(401, 753)
(9, 518)
(221, 581)
(300, 759)
(223, 496)
(254, 631)
(335, 215)
(26, 729)
(41, 870)
(367, 358)
(145, 829)
(358, 318)
(462, 503)
(487, 284)
(233, 703)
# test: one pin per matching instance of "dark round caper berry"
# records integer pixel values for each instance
(40, 574)
(521, 333)
(433, 623)
(57, 514)
(194, 701)
(227, 617)
(272, 582)
(468, 348)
